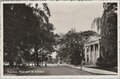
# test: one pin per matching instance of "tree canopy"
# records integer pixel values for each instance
(27, 32)
(107, 25)
(72, 46)
(109, 33)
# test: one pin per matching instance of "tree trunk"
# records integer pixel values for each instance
(11, 63)
(28, 63)
(36, 52)
(37, 63)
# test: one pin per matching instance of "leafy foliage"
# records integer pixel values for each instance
(27, 33)
(108, 41)
(97, 23)
(72, 46)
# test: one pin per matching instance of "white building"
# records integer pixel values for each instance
(92, 49)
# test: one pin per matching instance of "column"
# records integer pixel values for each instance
(93, 54)
(85, 48)
(98, 51)
(89, 52)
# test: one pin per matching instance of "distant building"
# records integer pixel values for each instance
(92, 49)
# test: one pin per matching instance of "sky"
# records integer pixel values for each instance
(76, 15)
(73, 15)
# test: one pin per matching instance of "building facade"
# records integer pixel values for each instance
(92, 49)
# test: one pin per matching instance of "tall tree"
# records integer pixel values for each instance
(26, 28)
(108, 41)
(97, 24)
(14, 22)
(72, 46)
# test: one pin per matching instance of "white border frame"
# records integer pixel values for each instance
(57, 76)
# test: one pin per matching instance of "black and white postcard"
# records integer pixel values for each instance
(59, 39)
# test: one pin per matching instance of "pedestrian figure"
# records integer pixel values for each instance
(58, 63)
(82, 64)
(45, 64)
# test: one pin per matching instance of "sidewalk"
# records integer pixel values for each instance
(94, 71)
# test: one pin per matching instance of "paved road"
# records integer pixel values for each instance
(54, 70)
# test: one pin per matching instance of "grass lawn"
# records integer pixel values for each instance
(108, 69)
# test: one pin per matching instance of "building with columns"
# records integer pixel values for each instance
(92, 49)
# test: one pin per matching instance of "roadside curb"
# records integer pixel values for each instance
(94, 71)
